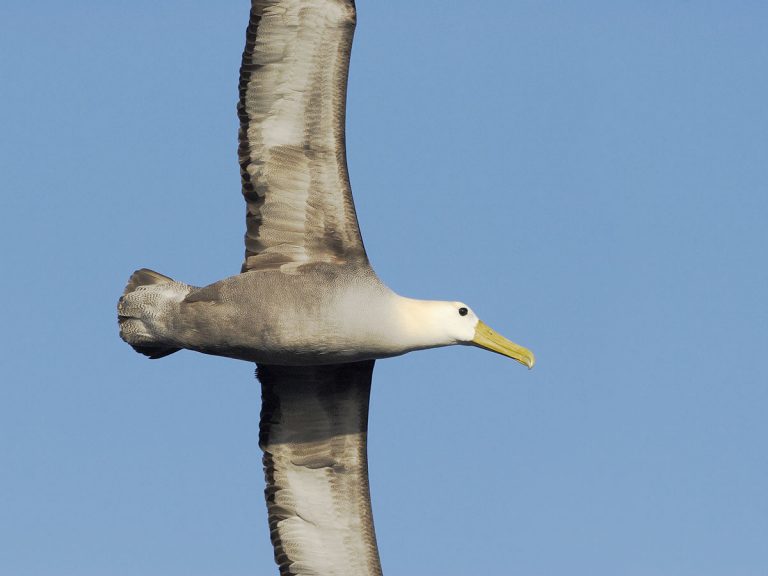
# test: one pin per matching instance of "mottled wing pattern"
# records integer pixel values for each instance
(313, 432)
(293, 83)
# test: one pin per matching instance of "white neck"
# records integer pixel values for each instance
(426, 323)
(389, 325)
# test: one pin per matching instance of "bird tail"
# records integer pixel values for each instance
(142, 309)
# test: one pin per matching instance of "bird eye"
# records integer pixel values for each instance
(463, 311)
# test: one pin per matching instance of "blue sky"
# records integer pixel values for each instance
(590, 177)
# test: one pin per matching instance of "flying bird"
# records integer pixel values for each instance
(307, 307)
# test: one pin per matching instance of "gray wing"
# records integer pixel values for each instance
(293, 83)
(313, 432)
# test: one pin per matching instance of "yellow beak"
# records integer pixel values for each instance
(490, 340)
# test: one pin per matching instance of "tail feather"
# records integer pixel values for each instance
(154, 352)
(144, 277)
(136, 311)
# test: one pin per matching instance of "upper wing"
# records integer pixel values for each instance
(313, 431)
(293, 83)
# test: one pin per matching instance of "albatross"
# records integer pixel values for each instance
(306, 307)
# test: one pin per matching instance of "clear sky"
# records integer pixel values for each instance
(591, 177)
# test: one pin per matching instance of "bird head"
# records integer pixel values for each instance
(472, 331)
(443, 323)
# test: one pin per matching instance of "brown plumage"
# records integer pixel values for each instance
(293, 165)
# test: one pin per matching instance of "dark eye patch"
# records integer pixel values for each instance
(463, 311)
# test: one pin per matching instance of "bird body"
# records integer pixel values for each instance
(319, 314)
(307, 307)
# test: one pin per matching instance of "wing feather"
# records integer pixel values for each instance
(313, 432)
(293, 83)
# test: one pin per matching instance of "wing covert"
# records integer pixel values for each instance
(293, 82)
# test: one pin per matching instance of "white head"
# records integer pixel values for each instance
(431, 323)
